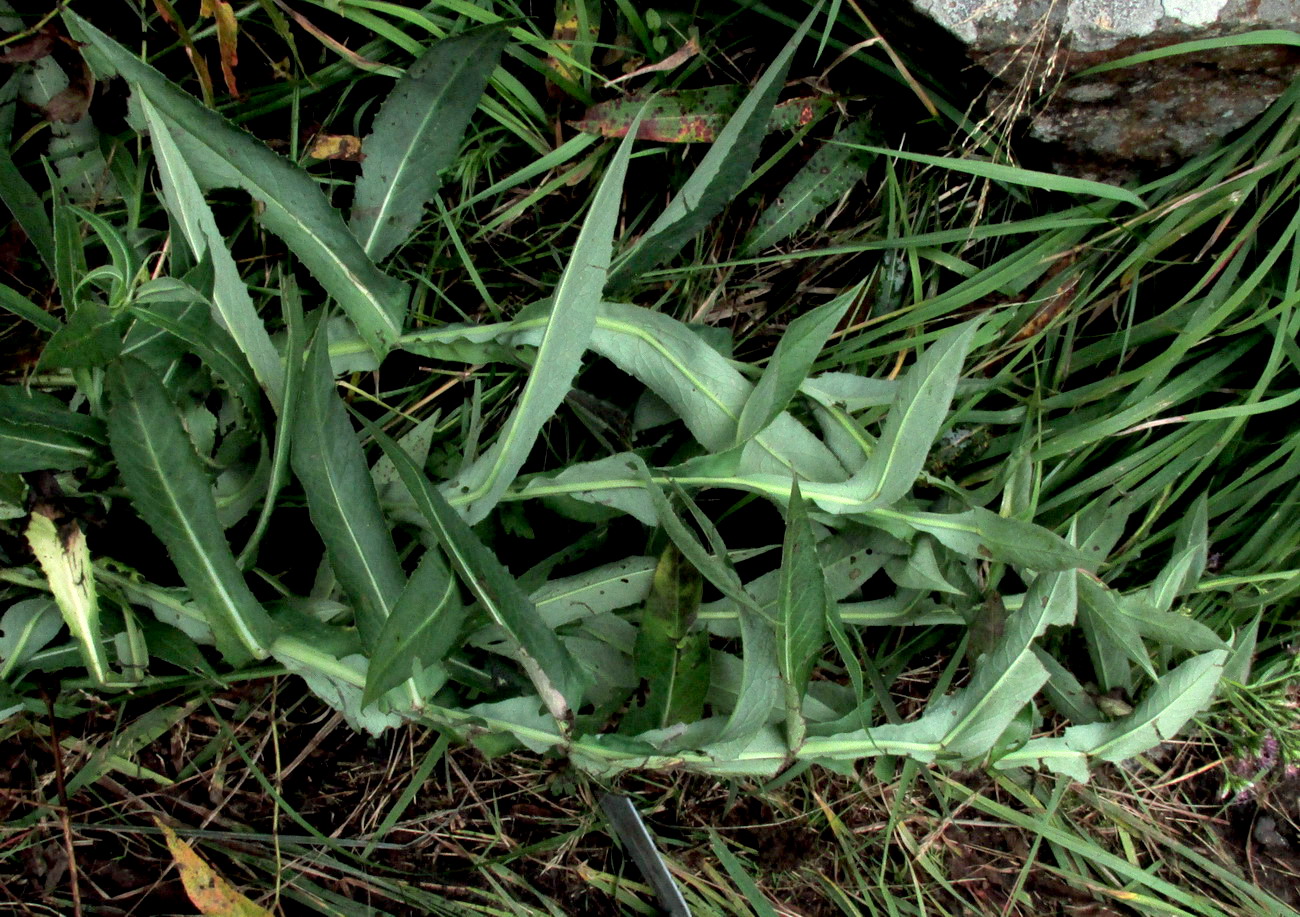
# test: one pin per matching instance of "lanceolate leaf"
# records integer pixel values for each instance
(549, 666)
(232, 305)
(801, 609)
(423, 627)
(345, 510)
(38, 432)
(1176, 698)
(17, 194)
(829, 173)
(914, 419)
(798, 349)
(221, 156)
(559, 354)
(717, 179)
(1010, 674)
(170, 489)
(416, 135)
(672, 654)
(60, 547)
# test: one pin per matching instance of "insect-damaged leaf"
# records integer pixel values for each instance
(672, 655)
(60, 548)
(829, 173)
(691, 115)
(416, 135)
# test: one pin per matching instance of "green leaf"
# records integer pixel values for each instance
(705, 390)
(23, 202)
(548, 665)
(802, 608)
(1191, 548)
(1176, 698)
(564, 338)
(25, 628)
(1010, 674)
(13, 301)
(1112, 635)
(719, 176)
(416, 135)
(92, 336)
(828, 174)
(422, 629)
(171, 491)
(914, 420)
(981, 533)
(201, 336)
(795, 354)
(223, 156)
(38, 432)
(606, 588)
(328, 460)
(61, 550)
(232, 307)
(671, 653)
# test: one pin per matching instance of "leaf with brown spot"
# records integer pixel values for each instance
(34, 48)
(68, 106)
(227, 39)
(336, 146)
(691, 115)
(207, 890)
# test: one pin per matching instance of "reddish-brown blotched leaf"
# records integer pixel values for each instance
(168, 14)
(227, 39)
(691, 115)
(34, 47)
(564, 36)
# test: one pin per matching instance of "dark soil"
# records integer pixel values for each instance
(530, 825)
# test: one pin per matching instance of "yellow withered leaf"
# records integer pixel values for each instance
(208, 891)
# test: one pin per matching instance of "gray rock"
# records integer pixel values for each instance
(1122, 121)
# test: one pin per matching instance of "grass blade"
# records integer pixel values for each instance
(553, 672)
(564, 338)
(416, 135)
(171, 491)
(328, 460)
(1014, 175)
(223, 156)
(719, 177)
